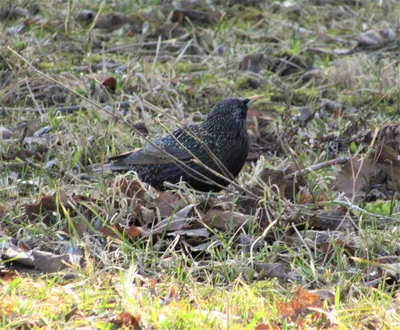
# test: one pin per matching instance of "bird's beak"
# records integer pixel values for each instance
(253, 99)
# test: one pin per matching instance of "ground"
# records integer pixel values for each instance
(305, 237)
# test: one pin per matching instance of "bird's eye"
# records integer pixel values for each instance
(245, 103)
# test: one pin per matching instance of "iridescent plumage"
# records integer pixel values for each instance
(224, 132)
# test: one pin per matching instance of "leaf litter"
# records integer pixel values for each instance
(294, 202)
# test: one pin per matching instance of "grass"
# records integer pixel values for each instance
(184, 280)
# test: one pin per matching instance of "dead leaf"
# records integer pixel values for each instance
(299, 306)
(329, 247)
(387, 135)
(43, 262)
(271, 325)
(133, 232)
(355, 177)
(56, 202)
(270, 176)
(173, 223)
(126, 320)
(168, 203)
(110, 84)
(129, 188)
(387, 159)
(225, 220)
(7, 275)
(170, 297)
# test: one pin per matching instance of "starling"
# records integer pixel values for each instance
(224, 133)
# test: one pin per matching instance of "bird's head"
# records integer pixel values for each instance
(233, 108)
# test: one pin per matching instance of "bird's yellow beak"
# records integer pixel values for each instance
(253, 99)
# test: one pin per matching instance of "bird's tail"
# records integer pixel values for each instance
(97, 168)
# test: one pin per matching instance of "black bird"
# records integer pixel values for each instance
(224, 132)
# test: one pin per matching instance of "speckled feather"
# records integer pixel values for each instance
(224, 132)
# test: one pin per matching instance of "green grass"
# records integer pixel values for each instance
(190, 282)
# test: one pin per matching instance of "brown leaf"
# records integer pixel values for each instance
(387, 159)
(329, 247)
(299, 305)
(110, 84)
(171, 296)
(111, 231)
(168, 203)
(225, 220)
(129, 188)
(133, 231)
(7, 275)
(355, 176)
(271, 325)
(276, 177)
(388, 135)
(126, 320)
(49, 204)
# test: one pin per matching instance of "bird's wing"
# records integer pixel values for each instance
(151, 155)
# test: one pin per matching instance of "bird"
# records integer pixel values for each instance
(219, 143)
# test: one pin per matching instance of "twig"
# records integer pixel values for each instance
(317, 167)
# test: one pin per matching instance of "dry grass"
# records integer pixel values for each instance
(182, 281)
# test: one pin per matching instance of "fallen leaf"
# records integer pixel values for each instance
(355, 176)
(329, 247)
(300, 305)
(133, 231)
(110, 84)
(387, 159)
(170, 297)
(7, 275)
(172, 223)
(168, 203)
(225, 220)
(270, 176)
(56, 202)
(126, 320)
(129, 188)
(271, 325)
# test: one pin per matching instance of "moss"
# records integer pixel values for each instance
(94, 58)
(388, 106)
(265, 288)
(297, 97)
(46, 65)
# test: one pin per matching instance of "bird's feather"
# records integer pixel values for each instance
(152, 155)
